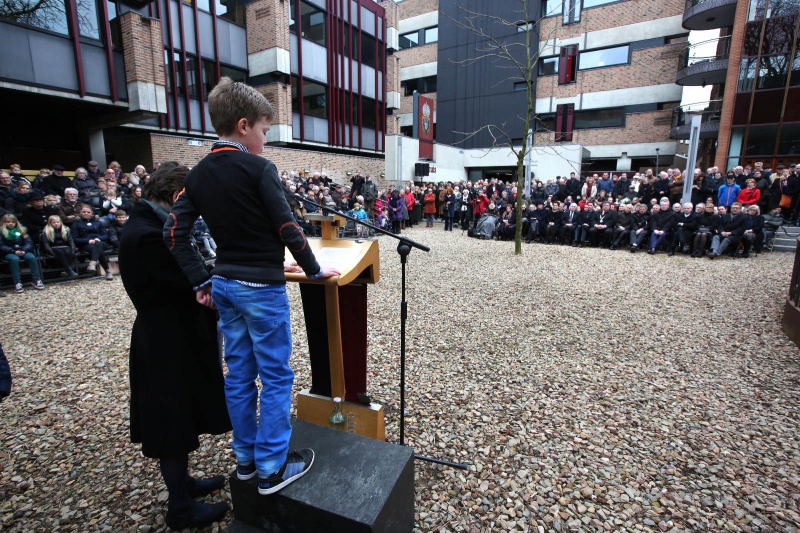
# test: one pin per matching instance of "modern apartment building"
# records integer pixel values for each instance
(604, 81)
(754, 67)
(129, 79)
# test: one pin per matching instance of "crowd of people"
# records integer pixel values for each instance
(58, 218)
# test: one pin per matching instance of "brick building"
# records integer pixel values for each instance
(128, 80)
(604, 82)
(754, 70)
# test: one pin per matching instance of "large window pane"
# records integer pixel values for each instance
(233, 73)
(421, 85)
(50, 15)
(209, 77)
(545, 123)
(409, 40)
(231, 10)
(313, 23)
(757, 9)
(315, 101)
(571, 11)
(779, 34)
(599, 118)
(603, 58)
(778, 8)
(761, 140)
(795, 80)
(790, 139)
(431, 35)
(369, 113)
(192, 85)
(87, 19)
(368, 53)
(551, 7)
(548, 66)
(595, 3)
(747, 74)
(772, 72)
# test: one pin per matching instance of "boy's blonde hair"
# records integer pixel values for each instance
(231, 101)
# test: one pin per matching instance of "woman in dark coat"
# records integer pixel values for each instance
(177, 386)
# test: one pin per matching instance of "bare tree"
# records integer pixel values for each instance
(515, 48)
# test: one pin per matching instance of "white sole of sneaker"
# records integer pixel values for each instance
(276, 488)
(244, 477)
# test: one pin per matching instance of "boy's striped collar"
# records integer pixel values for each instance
(229, 144)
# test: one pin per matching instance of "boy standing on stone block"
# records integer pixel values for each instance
(240, 197)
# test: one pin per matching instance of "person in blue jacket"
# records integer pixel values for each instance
(728, 192)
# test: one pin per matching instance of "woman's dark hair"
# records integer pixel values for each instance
(165, 182)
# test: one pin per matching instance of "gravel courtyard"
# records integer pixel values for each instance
(588, 390)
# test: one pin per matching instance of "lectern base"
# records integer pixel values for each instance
(317, 410)
(355, 485)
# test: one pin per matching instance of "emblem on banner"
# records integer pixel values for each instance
(426, 118)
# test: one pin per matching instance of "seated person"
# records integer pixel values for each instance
(358, 213)
(570, 220)
(85, 186)
(622, 226)
(116, 227)
(68, 209)
(553, 227)
(16, 245)
(706, 219)
(640, 227)
(203, 236)
(34, 217)
(17, 199)
(56, 242)
(582, 229)
(754, 231)
(685, 227)
(91, 238)
(603, 225)
(662, 223)
(729, 231)
(109, 205)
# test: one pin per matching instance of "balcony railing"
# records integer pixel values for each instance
(710, 113)
(704, 63)
(708, 14)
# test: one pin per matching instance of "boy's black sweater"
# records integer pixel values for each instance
(240, 197)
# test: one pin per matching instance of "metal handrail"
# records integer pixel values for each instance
(711, 113)
(685, 59)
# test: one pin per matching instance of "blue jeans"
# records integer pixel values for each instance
(655, 240)
(258, 343)
(13, 266)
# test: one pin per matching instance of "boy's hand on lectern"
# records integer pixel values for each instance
(329, 272)
(290, 266)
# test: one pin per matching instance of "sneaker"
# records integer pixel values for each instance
(71, 273)
(245, 471)
(109, 275)
(92, 266)
(18, 287)
(37, 284)
(297, 464)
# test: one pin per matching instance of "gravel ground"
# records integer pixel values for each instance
(588, 390)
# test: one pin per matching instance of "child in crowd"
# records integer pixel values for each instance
(16, 245)
(254, 224)
(56, 242)
(201, 235)
(359, 213)
(115, 228)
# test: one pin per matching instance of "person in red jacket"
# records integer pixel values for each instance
(479, 204)
(429, 207)
(750, 195)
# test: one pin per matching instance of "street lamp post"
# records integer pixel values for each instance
(657, 161)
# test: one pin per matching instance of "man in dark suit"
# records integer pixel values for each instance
(603, 225)
(622, 226)
(662, 223)
(730, 230)
(685, 226)
(570, 220)
(640, 227)
(582, 229)
(56, 182)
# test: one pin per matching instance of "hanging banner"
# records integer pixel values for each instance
(423, 125)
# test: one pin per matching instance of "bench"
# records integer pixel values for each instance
(33, 174)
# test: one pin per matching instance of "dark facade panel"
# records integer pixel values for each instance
(53, 61)
(95, 70)
(472, 95)
(19, 65)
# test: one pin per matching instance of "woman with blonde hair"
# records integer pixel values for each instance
(16, 245)
(56, 242)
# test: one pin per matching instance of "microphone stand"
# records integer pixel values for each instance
(404, 247)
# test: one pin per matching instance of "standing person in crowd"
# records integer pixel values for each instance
(449, 210)
(728, 192)
(479, 204)
(429, 203)
(90, 236)
(176, 378)
(573, 186)
(357, 183)
(411, 201)
(396, 204)
(56, 242)
(712, 183)
(589, 189)
(16, 245)
(370, 194)
(661, 185)
(248, 284)
(781, 193)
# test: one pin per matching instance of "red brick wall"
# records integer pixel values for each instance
(407, 103)
(639, 128)
(610, 16)
(412, 8)
(174, 148)
(280, 96)
(418, 55)
(391, 13)
(267, 25)
(392, 73)
(651, 66)
(734, 59)
(143, 49)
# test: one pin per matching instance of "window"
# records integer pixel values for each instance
(548, 66)
(772, 72)
(369, 54)
(567, 64)
(192, 84)
(369, 113)
(600, 118)
(409, 40)
(523, 27)
(231, 10)
(545, 123)
(520, 85)
(571, 11)
(747, 75)
(795, 80)
(761, 140)
(50, 15)
(176, 81)
(431, 35)
(312, 20)
(594, 3)
(604, 58)
(408, 131)
(421, 85)
(315, 100)
(565, 115)
(87, 19)
(551, 8)
(790, 139)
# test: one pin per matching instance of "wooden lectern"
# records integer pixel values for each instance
(336, 322)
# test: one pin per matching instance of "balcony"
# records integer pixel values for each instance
(698, 64)
(708, 14)
(710, 113)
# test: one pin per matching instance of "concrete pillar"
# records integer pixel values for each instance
(97, 148)
(144, 63)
